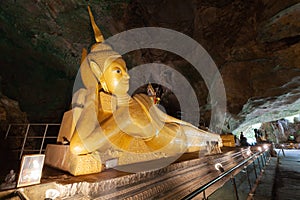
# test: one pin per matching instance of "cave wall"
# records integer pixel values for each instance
(255, 45)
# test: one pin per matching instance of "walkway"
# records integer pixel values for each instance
(287, 185)
(280, 180)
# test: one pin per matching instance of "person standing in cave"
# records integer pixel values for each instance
(241, 136)
(257, 136)
(243, 140)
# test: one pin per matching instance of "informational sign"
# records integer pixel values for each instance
(111, 163)
(31, 170)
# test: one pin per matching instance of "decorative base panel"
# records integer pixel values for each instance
(60, 157)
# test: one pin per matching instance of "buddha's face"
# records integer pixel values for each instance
(116, 77)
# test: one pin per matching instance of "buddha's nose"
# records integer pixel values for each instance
(126, 75)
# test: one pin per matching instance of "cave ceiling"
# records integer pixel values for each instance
(254, 44)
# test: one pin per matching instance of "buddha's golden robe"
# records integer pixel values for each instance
(139, 126)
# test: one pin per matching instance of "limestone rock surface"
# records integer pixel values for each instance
(254, 44)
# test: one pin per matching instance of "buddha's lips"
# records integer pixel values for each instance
(124, 82)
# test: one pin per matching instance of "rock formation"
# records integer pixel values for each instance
(254, 44)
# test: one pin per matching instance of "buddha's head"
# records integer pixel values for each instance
(109, 69)
(104, 67)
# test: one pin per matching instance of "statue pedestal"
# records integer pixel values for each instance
(60, 157)
(174, 181)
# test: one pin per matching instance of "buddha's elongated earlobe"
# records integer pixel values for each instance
(96, 70)
(98, 75)
(103, 84)
(88, 78)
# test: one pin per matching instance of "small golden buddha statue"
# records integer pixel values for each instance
(133, 129)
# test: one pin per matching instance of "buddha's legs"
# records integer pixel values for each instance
(198, 139)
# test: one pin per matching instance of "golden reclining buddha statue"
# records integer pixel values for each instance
(111, 124)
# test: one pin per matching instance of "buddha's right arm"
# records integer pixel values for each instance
(87, 121)
(85, 125)
(88, 116)
(90, 135)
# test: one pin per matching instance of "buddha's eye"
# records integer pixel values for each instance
(118, 71)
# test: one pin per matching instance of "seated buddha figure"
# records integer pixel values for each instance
(117, 125)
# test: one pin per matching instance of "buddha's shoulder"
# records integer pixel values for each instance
(143, 99)
(141, 95)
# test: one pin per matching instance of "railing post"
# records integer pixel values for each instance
(24, 141)
(258, 163)
(263, 161)
(246, 171)
(8, 129)
(234, 187)
(269, 153)
(45, 132)
(254, 169)
(204, 196)
(283, 152)
(265, 155)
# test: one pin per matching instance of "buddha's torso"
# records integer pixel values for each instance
(136, 117)
(140, 126)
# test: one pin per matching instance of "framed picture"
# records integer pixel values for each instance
(31, 170)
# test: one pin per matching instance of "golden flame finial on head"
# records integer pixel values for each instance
(97, 60)
(98, 35)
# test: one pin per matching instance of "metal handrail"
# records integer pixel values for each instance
(34, 137)
(30, 124)
(210, 183)
(43, 137)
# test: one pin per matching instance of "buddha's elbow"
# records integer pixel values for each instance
(77, 148)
